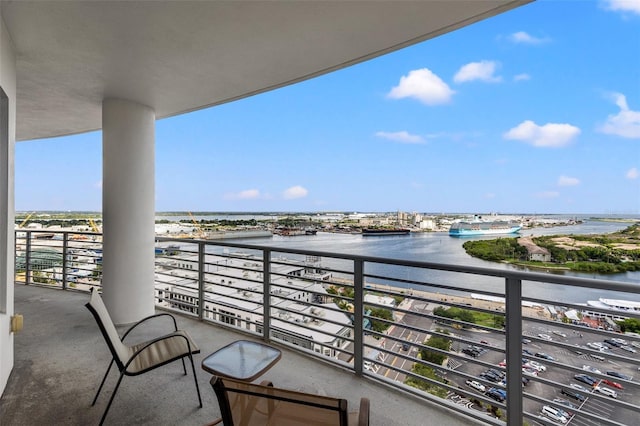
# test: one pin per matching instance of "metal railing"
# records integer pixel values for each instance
(457, 335)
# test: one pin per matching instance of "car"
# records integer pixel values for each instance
(544, 356)
(613, 342)
(493, 393)
(537, 365)
(490, 377)
(544, 336)
(565, 403)
(579, 387)
(527, 352)
(484, 342)
(606, 391)
(628, 348)
(619, 375)
(586, 379)
(619, 340)
(498, 373)
(470, 352)
(476, 385)
(405, 346)
(530, 371)
(502, 363)
(525, 381)
(559, 333)
(553, 414)
(591, 369)
(612, 384)
(525, 341)
(573, 394)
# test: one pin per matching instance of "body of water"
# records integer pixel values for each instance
(439, 247)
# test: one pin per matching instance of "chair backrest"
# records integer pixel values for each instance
(99, 310)
(249, 404)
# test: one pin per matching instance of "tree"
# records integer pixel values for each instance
(629, 325)
(438, 342)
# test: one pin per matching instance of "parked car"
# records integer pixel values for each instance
(579, 387)
(573, 394)
(544, 336)
(493, 393)
(628, 349)
(613, 342)
(606, 391)
(553, 414)
(476, 385)
(565, 403)
(619, 375)
(591, 369)
(612, 384)
(544, 356)
(537, 365)
(586, 379)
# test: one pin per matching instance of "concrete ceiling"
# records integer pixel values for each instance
(179, 56)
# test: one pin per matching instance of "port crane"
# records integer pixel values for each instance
(198, 228)
(26, 219)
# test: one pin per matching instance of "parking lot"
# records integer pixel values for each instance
(595, 365)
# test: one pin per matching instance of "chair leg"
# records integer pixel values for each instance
(106, 410)
(102, 383)
(184, 368)
(195, 378)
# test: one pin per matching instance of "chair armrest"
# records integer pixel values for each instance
(150, 317)
(363, 413)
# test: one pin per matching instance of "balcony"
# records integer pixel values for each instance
(324, 310)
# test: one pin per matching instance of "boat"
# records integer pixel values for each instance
(482, 227)
(368, 232)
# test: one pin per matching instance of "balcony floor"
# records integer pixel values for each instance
(60, 357)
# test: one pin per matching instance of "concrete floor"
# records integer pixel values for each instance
(60, 357)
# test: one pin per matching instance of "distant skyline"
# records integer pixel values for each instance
(536, 110)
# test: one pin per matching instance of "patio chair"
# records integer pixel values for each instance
(250, 404)
(142, 357)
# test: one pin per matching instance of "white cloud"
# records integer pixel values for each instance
(632, 6)
(402, 137)
(294, 192)
(522, 37)
(98, 184)
(249, 194)
(423, 85)
(568, 181)
(550, 135)
(522, 77)
(483, 71)
(548, 194)
(625, 123)
(633, 173)
(489, 195)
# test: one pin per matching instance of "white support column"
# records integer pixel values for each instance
(128, 209)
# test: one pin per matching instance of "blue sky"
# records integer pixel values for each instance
(533, 111)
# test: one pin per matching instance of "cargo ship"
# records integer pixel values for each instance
(374, 232)
(481, 227)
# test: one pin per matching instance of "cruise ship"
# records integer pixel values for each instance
(481, 227)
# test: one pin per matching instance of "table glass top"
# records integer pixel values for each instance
(242, 360)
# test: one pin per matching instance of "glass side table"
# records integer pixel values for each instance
(242, 360)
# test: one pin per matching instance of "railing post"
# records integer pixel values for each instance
(513, 324)
(358, 315)
(27, 258)
(200, 280)
(266, 294)
(65, 247)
